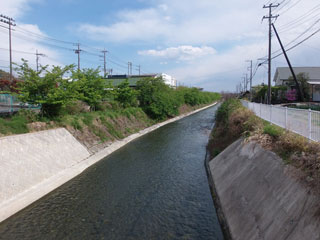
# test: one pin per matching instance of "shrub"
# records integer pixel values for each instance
(223, 112)
(273, 131)
(125, 95)
(157, 99)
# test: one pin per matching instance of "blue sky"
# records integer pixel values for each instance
(202, 43)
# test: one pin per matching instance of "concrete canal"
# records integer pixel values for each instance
(153, 188)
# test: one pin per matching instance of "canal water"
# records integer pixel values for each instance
(153, 188)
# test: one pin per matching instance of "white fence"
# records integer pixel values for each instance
(303, 122)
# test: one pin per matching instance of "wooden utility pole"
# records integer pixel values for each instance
(270, 17)
(11, 23)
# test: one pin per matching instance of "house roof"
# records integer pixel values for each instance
(283, 73)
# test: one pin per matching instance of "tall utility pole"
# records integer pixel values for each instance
(250, 78)
(78, 51)
(244, 84)
(11, 23)
(270, 17)
(38, 55)
(129, 68)
(139, 69)
(104, 63)
(301, 97)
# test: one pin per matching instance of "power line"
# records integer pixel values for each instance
(314, 33)
(18, 51)
(304, 18)
(22, 30)
(299, 36)
(293, 5)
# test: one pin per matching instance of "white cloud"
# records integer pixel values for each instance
(144, 24)
(181, 53)
(175, 23)
(24, 44)
(16, 8)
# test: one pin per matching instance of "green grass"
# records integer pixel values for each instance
(14, 125)
(273, 130)
(76, 124)
(87, 118)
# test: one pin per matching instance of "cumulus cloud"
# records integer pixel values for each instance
(180, 53)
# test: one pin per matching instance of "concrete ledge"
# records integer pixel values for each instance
(39, 188)
(260, 196)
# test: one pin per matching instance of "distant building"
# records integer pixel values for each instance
(313, 73)
(133, 79)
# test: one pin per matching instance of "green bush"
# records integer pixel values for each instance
(157, 99)
(125, 95)
(272, 130)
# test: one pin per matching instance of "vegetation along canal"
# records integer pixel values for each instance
(153, 188)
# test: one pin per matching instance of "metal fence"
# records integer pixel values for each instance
(303, 122)
(10, 104)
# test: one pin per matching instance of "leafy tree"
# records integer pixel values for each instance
(48, 88)
(89, 85)
(157, 99)
(6, 85)
(125, 95)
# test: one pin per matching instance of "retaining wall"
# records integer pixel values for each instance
(260, 197)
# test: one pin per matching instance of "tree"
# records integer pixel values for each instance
(50, 89)
(6, 85)
(125, 95)
(89, 85)
(157, 99)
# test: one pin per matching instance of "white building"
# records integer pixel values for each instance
(169, 80)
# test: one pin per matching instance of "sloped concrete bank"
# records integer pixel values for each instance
(34, 164)
(261, 198)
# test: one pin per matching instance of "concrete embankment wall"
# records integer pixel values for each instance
(32, 165)
(29, 159)
(260, 197)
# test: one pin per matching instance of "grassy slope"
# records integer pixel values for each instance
(234, 121)
(93, 129)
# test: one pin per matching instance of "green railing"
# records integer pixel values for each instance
(11, 104)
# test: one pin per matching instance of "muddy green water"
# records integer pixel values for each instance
(153, 188)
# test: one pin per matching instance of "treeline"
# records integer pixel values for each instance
(60, 90)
